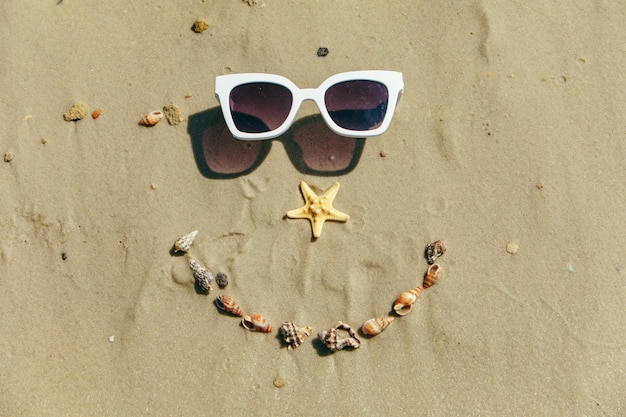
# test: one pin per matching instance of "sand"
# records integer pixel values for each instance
(511, 131)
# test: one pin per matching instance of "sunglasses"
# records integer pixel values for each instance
(355, 104)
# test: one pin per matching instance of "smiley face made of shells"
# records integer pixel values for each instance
(336, 338)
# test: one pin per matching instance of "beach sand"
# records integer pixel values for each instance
(511, 131)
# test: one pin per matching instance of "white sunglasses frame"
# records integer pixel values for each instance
(224, 84)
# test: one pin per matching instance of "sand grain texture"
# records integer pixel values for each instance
(499, 97)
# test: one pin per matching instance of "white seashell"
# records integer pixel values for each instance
(294, 335)
(151, 118)
(184, 242)
(334, 341)
(376, 325)
(202, 275)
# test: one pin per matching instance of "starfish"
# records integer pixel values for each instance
(318, 209)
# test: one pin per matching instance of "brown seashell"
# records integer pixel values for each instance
(334, 341)
(96, 113)
(184, 242)
(434, 250)
(151, 118)
(226, 303)
(432, 275)
(256, 323)
(404, 303)
(294, 335)
(376, 326)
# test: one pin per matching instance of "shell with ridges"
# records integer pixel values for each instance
(184, 242)
(435, 250)
(226, 303)
(334, 341)
(151, 118)
(404, 303)
(376, 325)
(432, 275)
(256, 323)
(294, 335)
(202, 275)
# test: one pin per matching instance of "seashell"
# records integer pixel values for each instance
(404, 303)
(256, 323)
(376, 326)
(294, 335)
(434, 250)
(221, 279)
(334, 341)
(96, 113)
(184, 242)
(201, 274)
(432, 276)
(226, 303)
(151, 118)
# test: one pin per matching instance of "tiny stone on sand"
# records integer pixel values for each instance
(173, 114)
(280, 382)
(511, 248)
(78, 111)
(8, 157)
(200, 25)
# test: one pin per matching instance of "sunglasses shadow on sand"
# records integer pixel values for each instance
(311, 146)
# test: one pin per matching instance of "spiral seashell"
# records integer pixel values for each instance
(432, 275)
(334, 341)
(435, 250)
(256, 323)
(294, 335)
(202, 275)
(151, 118)
(404, 303)
(184, 242)
(376, 326)
(226, 303)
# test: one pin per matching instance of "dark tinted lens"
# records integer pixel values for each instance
(260, 107)
(357, 105)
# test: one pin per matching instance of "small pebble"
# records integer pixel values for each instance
(153, 186)
(78, 111)
(8, 157)
(383, 153)
(569, 267)
(539, 185)
(44, 141)
(221, 279)
(280, 382)
(511, 248)
(112, 338)
(64, 256)
(200, 25)
(173, 114)
(322, 51)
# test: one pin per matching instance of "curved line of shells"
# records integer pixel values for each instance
(336, 338)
